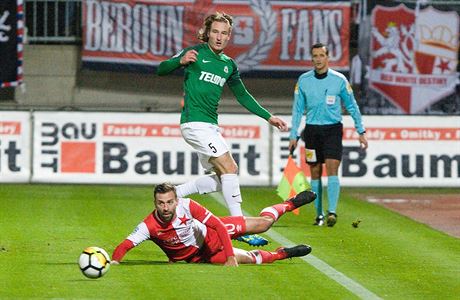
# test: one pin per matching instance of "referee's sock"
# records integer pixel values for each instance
(333, 192)
(317, 187)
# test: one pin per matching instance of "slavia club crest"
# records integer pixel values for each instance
(414, 55)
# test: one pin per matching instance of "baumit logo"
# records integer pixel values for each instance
(68, 147)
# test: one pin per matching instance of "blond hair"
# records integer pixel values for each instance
(216, 17)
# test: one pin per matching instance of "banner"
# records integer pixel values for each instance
(15, 146)
(415, 151)
(11, 42)
(139, 148)
(147, 148)
(414, 55)
(267, 36)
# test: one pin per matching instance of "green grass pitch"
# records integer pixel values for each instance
(44, 228)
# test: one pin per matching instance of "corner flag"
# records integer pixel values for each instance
(293, 181)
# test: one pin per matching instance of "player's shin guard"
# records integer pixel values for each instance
(317, 187)
(232, 193)
(275, 211)
(333, 192)
(265, 257)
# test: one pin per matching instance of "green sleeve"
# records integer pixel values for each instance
(169, 65)
(244, 98)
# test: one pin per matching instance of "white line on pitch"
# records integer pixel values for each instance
(345, 281)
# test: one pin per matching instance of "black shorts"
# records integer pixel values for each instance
(326, 140)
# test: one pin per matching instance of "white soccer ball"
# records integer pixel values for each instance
(94, 262)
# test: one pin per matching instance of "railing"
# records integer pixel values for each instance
(53, 21)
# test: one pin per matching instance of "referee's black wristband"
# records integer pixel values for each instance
(362, 132)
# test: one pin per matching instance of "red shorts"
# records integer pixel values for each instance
(236, 226)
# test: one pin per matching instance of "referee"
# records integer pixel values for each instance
(321, 93)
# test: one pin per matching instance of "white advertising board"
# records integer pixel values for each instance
(139, 148)
(14, 146)
(403, 151)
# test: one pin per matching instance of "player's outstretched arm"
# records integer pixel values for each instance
(121, 251)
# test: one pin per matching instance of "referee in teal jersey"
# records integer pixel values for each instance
(321, 93)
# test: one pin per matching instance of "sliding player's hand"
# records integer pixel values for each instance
(231, 262)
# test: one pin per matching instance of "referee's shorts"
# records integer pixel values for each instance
(323, 142)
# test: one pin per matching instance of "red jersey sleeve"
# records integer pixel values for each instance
(203, 215)
(121, 250)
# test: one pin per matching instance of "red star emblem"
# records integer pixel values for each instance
(443, 65)
(183, 220)
(242, 24)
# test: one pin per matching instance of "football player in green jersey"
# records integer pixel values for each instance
(207, 69)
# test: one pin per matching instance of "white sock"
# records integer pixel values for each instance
(203, 185)
(232, 193)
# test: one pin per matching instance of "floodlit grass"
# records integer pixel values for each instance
(43, 229)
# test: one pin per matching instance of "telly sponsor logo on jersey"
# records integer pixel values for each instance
(212, 78)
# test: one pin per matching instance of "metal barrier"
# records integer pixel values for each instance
(53, 21)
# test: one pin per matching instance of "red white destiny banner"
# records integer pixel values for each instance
(266, 36)
(414, 55)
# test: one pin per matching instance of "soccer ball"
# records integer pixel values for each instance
(94, 262)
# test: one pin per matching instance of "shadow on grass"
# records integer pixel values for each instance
(131, 263)
(144, 263)
(124, 263)
(74, 263)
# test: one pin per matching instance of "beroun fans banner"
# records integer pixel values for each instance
(267, 36)
(11, 42)
(414, 55)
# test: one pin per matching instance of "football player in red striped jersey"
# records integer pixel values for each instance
(187, 231)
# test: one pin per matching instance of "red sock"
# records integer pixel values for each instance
(276, 210)
(266, 257)
(289, 205)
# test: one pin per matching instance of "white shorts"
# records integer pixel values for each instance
(206, 139)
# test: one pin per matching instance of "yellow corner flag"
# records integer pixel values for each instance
(293, 182)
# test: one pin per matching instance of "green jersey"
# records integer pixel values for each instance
(204, 82)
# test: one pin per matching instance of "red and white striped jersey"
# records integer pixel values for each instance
(193, 228)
